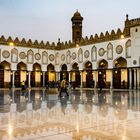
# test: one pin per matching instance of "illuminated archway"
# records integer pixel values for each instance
(87, 75)
(50, 74)
(21, 74)
(120, 73)
(64, 72)
(102, 72)
(5, 74)
(36, 76)
(75, 75)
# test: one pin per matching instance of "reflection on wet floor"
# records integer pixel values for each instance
(85, 115)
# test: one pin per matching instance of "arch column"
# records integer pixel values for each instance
(111, 79)
(43, 78)
(81, 74)
(138, 79)
(130, 78)
(29, 78)
(135, 78)
(69, 76)
(13, 78)
(95, 79)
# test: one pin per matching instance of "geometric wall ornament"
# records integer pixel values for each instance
(86, 54)
(63, 57)
(5, 54)
(37, 56)
(94, 53)
(110, 51)
(73, 55)
(22, 55)
(119, 49)
(128, 49)
(57, 58)
(101, 52)
(14, 55)
(80, 55)
(68, 58)
(51, 57)
(44, 57)
(30, 56)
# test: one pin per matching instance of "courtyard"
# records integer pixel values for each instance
(87, 114)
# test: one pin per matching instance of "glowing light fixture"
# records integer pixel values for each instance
(122, 36)
(11, 44)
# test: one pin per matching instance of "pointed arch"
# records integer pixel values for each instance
(36, 67)
(6, 65)
(120, 62)
(50, 67)
(102, 63)
(14, 55)
(21, 66)
(75, 66)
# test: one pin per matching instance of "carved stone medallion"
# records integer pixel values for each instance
(119, 49)
(63, 57)
(37, 56)
(86, 54)
(51, 57)
(101, 52)
(22, 55)
(5, 54)
(73, 55)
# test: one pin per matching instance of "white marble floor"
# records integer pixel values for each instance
(84, 115)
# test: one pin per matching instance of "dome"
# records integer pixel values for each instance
(77, 15)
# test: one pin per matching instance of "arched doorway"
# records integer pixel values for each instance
(120, 74)
(21, 74)
(36, 76)
(64, 73)
(50, 75)
(75, 75)
(88, 74)
(5, 75)
(102, 68)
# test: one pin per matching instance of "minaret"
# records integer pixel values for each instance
(76, 27)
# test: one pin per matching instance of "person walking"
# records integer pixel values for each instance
(63, 87)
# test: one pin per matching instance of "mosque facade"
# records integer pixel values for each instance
(113, 57)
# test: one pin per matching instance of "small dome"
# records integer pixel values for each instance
(77, 15)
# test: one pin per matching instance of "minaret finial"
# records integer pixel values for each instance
(126, 16)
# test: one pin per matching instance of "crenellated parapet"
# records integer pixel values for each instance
(102, 37)
(62, 45)
(129, 24)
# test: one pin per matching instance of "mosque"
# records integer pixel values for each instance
(113, 57)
